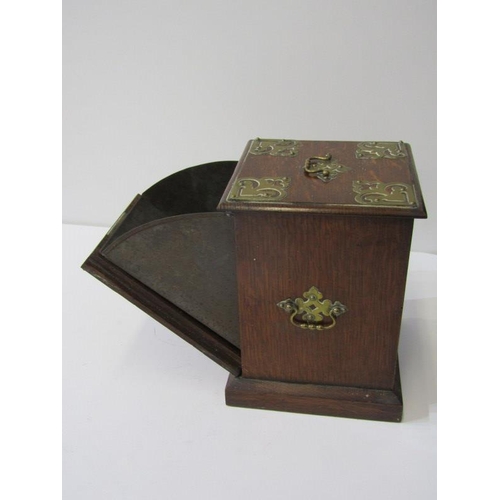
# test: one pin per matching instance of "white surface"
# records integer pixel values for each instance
(155, 86)
(145, 418)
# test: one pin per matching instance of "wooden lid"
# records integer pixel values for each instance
(344, 178)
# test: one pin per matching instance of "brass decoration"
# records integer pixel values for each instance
(311, 313)
(324, 168)
(265, 189)
(274, 147)
(376, 150)
(384, 194)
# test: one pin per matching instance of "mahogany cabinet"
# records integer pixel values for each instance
(287, 268)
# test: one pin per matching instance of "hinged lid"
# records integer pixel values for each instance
(345, 178)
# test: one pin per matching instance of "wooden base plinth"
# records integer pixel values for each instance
(349, 402)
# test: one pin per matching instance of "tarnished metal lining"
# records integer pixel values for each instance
(190, 261)
(173, 241)
(192, 190)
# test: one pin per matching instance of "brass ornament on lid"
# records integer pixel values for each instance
(274, 147)
(312, 313)
(384, 194)
(263, 189)
(324, 168)
(375, 150)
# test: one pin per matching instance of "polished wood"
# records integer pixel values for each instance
(316, 234)
(351, 402)
(310, 195)
(353, 248)
(360, 261)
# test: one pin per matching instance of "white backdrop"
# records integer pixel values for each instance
(154, 86)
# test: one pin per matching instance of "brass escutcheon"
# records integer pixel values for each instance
(313, 313)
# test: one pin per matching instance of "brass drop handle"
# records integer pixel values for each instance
(311, 313)
(324, 168)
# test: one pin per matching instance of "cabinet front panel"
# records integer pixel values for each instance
(321, 297)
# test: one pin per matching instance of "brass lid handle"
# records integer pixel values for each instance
(313, 313)
(324, 168)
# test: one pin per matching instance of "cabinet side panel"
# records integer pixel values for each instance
(359, 261)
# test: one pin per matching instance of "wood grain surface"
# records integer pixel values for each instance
(360, 261)
(311, 195)
(349, 402)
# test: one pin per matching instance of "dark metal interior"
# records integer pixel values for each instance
(174, 242)
(192, 190)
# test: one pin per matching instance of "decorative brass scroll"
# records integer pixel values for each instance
(376, 150)
(274, 147)
(311, 313)
(265, 189)
(384, 194)
(325, 167)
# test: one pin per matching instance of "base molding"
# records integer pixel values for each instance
(336, 401)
